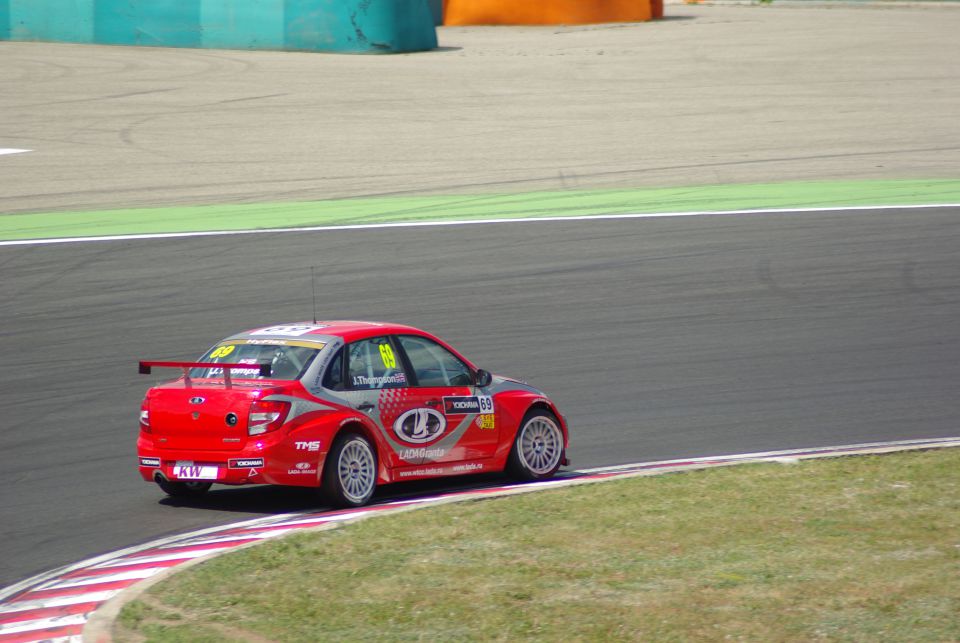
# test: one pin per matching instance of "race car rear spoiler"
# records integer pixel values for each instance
(264, 370)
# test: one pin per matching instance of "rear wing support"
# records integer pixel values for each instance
(146, 367)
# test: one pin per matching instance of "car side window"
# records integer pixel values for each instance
(372, 364)
(433, 364)
(333, 378)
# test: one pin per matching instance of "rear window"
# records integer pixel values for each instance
(288, 359)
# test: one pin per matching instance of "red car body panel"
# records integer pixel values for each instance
(199, 428)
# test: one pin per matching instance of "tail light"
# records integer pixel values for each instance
(266, 416)
(145, 417)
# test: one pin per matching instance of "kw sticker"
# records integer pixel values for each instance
(194, 472)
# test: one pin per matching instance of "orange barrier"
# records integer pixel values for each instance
(545, 12)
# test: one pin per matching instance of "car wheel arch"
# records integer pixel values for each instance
(541, 405)
(358, 427)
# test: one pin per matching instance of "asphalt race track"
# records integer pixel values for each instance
(659, 338)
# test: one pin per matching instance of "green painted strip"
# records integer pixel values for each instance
(456, 207)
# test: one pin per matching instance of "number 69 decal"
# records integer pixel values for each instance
(386, 354)
(222, 351)
(486, 403)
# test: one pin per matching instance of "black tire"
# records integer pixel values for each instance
(350, 472)
(184, 489)
(537, 450)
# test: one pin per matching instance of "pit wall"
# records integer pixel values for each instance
(347, 26)
(549, 12)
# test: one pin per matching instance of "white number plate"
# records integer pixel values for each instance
(486, 403)
(190, 471)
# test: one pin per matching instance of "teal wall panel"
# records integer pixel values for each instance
(436, 7)
(59, 20)
(251, 24)
(360, 26)
(156, 23)
(350, 26)
(4, 19)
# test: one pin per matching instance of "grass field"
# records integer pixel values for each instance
(848, 549)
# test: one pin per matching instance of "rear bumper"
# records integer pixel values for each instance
(247, 466)
(235, 470)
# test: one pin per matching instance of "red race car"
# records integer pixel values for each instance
(341, 406)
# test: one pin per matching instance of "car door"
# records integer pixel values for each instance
(434, 418)
(441, 387)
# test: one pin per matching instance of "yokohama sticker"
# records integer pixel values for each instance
(468, 405)
(419, 425)
(245, 463)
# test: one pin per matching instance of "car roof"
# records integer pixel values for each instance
(349, 330)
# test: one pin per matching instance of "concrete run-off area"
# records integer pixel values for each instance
(710, 95)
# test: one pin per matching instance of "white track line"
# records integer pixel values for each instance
(136, 574)
(260, 535)
(771, 454)
(183, 555)
(465, 222)
(12, 150)
(59, 601)
(42, 624)
(16, 588)
(321, 519)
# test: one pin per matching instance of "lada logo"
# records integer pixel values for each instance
(197, 400)
(419, 425)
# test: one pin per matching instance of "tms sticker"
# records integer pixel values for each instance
(289, 331)
(468, 405)
(419, 426)
(313, 445)
(245, 463)
(488, 421)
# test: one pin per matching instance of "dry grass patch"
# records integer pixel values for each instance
(859, 549)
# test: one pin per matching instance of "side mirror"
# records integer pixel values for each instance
(483, 378)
